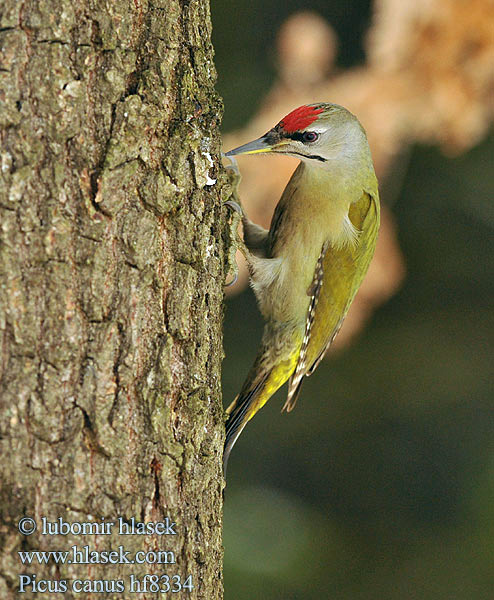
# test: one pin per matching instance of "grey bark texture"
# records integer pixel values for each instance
(112, 261)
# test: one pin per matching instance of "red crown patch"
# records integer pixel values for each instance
(300, 118)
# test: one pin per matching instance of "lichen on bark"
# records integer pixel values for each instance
(112, 259)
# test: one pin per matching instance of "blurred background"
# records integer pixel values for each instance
(380, 484)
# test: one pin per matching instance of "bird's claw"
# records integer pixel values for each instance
(234, 164)
(233, 281)
(236, 207)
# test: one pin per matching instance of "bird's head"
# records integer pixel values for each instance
(315, 133)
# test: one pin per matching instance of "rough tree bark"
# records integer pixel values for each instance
(112, 264)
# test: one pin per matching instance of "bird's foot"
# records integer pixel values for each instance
(237, 214)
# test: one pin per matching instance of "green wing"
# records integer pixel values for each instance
(337, 278)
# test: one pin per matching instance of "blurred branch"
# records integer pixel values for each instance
(429, 78)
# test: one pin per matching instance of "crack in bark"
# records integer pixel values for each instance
(90, 434)
(95, 177)
(156, 469)
(116, 375)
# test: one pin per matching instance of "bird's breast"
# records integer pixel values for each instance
(312, 211)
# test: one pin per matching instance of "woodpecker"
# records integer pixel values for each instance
(306, 270)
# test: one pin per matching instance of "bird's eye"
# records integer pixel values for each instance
(310, 136)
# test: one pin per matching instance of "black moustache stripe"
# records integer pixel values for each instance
(313, 156)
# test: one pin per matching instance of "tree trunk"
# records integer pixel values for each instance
(112, 265)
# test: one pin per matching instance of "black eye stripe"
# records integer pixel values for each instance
(303, 137)
(299, 137)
